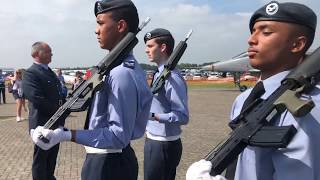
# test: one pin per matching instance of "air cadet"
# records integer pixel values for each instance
(169, 110)
(119, 111)
(281, 33)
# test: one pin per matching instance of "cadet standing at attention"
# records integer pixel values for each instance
(119, 111)
(281, 34)
(169, 110)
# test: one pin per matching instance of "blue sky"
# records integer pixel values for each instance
(220, 28)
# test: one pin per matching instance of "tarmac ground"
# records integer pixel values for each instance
(209, 113)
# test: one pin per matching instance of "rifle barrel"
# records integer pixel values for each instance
(189, 34)
(144, 23)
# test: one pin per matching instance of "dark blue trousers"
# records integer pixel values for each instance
(161, 159)
(44, 163)
(3, 92)
(112, 166)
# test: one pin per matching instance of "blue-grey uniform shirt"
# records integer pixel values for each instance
(171, 105)
(299, 160)
(120, 110)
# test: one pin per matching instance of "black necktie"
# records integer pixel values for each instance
(256, 93)
(153, 77)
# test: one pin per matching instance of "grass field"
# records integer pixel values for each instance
(226, 83)
(217, 84)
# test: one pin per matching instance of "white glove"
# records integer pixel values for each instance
(201, 171)
(54, 137)
(35, 134)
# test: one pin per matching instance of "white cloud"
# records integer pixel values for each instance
(244, 14)
(68, 26)
(66, 3)
(212, 32)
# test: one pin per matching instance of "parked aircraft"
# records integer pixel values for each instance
(236, 65)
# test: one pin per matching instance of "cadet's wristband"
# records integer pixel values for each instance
(73, 135)
(151, 116)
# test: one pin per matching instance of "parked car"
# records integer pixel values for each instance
(249, 78)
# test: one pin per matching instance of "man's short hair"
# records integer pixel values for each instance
(308, 33)
(168, 41)
(36, 47)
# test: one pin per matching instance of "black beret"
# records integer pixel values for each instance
(108, 5)
(285, 12)
(159, 32)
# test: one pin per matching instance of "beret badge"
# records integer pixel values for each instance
(148, 35)
(99, 7)
(272, 8)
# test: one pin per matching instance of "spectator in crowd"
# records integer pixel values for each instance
(77, 80)
(64, 89)
(17, 93)
(2, 87)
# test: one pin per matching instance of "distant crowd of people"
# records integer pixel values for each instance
(12, 83)
(14, 87)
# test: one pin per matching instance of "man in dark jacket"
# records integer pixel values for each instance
(41, 87)
(2, 87)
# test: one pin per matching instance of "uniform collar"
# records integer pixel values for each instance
(45, 66)
(161, 67)
(272, 83)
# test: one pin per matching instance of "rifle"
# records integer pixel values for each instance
(172, 63)
(257, 120)
(79, 99)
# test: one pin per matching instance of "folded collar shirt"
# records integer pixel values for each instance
(120, 109)
(171, 105)
(158, 72)
(299, 160)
